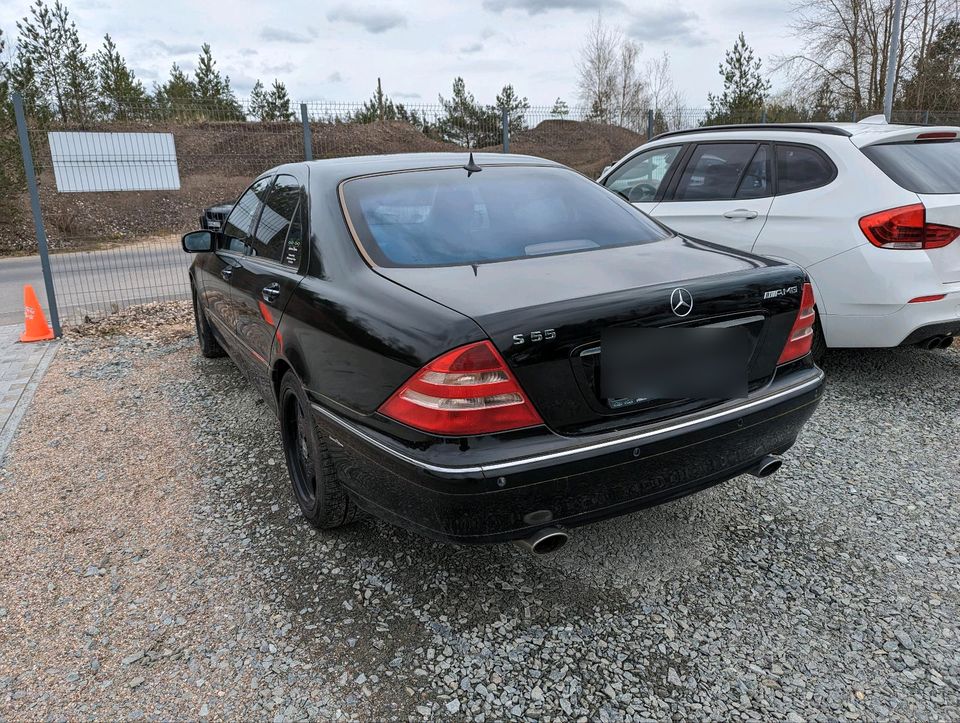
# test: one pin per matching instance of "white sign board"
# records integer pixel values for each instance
(114, 161)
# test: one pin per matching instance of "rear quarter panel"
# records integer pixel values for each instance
(353, 340)
(811, 228)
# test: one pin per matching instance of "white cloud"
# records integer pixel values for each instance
(370, 19)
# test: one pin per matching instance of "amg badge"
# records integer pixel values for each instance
(780, 292)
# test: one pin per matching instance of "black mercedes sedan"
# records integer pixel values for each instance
(493, 347)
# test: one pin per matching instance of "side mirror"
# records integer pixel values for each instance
(606, 169)
(197, 242)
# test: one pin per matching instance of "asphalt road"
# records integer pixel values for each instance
(97, 282)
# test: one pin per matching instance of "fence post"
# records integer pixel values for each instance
(649, 124)
(763, 116)
(854, 115)
(307, 137)
(35, 208)
(505, 122)
(926, 117)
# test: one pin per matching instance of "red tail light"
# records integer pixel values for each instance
(467, 391)
(906, 227)
(801, 335)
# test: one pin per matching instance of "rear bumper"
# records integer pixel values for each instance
(578, 481)
(907, 325)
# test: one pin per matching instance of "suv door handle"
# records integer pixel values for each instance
(271, 292)
(226, 272)
(744, 213)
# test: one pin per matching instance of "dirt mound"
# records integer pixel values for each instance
(587, 147)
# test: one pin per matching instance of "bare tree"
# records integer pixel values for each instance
(666, 101)
(597, 71)
(632, 99)
(845, 45)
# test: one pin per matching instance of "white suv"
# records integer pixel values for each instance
(870, 210)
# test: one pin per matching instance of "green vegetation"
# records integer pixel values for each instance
(745, 89)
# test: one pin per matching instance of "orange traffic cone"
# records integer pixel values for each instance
(37, 328)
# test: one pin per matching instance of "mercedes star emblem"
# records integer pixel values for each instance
(681, 301)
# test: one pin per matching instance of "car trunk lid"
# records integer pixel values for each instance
(546, 317)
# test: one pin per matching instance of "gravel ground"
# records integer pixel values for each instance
(153, 564)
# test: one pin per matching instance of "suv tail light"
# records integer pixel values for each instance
(469, 390)
(800, 340)
(906, 227)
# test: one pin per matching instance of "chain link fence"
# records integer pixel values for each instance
(111, 249)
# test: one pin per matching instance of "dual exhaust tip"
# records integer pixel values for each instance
(550, 539)
(936, 342)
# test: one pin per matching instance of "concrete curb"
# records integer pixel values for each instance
(10, 428)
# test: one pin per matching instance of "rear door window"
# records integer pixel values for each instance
(279, 210)
(447, 217)
(639, 179)
(240, 223)
(800, 168)
(714, 171)
(925, 167)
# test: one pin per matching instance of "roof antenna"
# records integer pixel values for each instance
(471, 166)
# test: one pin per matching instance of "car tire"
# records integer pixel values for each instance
(819, 347)
(323, 500)
(209, 346)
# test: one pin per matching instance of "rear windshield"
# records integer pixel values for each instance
(925, 167)
(446, 217)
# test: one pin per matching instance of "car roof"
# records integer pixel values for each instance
(339, 169)
(868, 131)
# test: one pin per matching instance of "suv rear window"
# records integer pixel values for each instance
(446, 217)
(925, 167)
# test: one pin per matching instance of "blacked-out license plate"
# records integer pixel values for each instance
(674, 363)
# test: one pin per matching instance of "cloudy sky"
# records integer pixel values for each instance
(333, 50)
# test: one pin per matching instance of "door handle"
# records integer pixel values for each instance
(226, 272)
(271, 292)
(744, 213)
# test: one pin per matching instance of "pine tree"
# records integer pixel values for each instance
(278, 103)
(744, 88)
(381, 107)
(465, 122)
(121, 95)
(23, 78)
(41, 52)
(176, 97)
(80, 78)
(560, 109)
(11, 169)
(213, 91)
(935, 83)
(516, 107)
(258, 101)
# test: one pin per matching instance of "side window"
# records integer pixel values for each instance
(639, 178)
(278, 211)
(714, 171)
(239, 224)
(757, 182)
(800, 168)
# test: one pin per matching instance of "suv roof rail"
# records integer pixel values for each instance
(802, 127)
